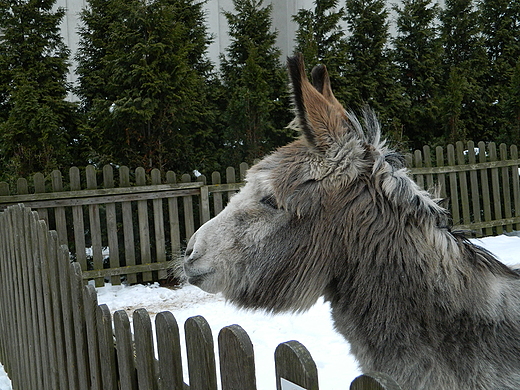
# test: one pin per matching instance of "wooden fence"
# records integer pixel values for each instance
(130, 225)
(134, 229)
(480, 184)
(54, 335)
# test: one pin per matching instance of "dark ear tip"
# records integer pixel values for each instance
(318, 75)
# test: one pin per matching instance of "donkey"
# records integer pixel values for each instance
(335, 214)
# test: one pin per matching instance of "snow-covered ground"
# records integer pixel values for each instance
(314, 329)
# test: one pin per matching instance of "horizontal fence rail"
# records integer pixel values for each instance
(123, 225)
(55, 336)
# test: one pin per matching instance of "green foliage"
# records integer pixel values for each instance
(256, 112)
(464, 61)
(418, 53)
(500, 23)
(143, 82)
(39, 129)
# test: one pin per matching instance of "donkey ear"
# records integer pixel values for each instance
(318, 118)
(321, 81)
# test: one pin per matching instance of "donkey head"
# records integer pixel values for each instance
(285, 237)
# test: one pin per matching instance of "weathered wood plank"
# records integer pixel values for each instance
(454, 192)
(125, 351)
(59, 212)
(495, 187)
(441, 177)
(78, 222)
(169, 352)
(187, 201)
(173, 216)
(474, 188)
(39, 188)
(236, 350)
(144, 225)
(43, 240)
(80, 326)
(144, 351)
(218, 206)
(107, 356)
(484, 180)
(158, 220)
(374, 381)
(90, 307)
(111, 219)
(516, 184)
(128, 225)
(95, 226)
(463, 184)
(506, 187)
(294, 363)
(417, 160)
(201, 358)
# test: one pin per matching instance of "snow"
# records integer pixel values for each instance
(314, 329)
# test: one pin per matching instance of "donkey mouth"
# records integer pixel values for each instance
(198, 278)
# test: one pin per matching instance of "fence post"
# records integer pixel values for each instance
(294, 363)
(236, 350)
(200, 352)
(374, 381)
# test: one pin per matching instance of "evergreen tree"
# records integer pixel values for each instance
(40, 128)
(320, 36)
(143, 82)
(256, 115)
(500, 21)
(372, 74)
(464, 64)
(418, 53)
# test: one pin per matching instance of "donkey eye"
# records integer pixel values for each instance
(269, 201)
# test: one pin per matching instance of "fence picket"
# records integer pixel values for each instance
(43, 239)
(113, 245)
(515, 172)
(144, 226)
(78, 221)
(125, 351)
(39, 188)
(128, 225)
(495, 186)
(474, 188)
(201, 358)
(80, 327)
(95, 226)
(294, 363)
(144, 351)
(169, 352)
(463, 184)
(90, 307)
(59, 212)
(107, 357)
(506, 188)
(484, 178)
(173, 214)
(374, 381)
(158, 219)
(236, 350)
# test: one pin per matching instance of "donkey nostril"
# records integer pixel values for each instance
(188, 252)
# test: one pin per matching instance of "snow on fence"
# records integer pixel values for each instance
(55, 336)
(134, 224)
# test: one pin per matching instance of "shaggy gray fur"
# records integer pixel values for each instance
(335, 214)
